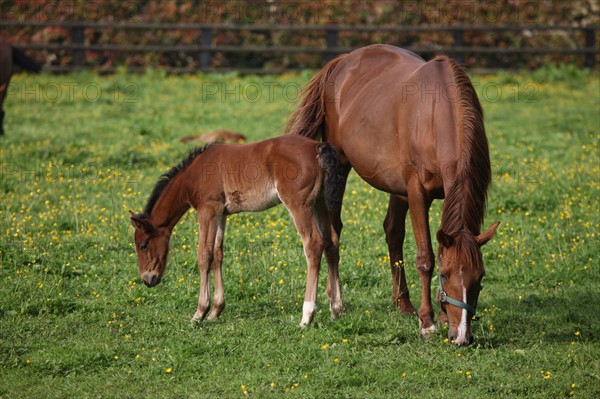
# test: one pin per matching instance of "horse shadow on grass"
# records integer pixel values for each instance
(551, 318)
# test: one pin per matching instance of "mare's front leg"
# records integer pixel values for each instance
(395, 229)
(419, 212)
(216, 267)
(313, 251)
(208, 220)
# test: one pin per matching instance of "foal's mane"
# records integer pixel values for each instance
(464, 206)
(166, 178)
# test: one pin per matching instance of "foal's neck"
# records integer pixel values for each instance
(171, 205)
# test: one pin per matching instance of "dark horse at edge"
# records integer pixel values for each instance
(9, 57)
(413, 129)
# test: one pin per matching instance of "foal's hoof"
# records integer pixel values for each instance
(336, 310)
(198, 316)
(308, 312)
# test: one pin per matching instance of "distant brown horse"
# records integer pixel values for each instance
(10, 56)
(224, 179)
(216, 136)
(415, 130)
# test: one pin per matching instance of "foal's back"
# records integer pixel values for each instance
(258, 176)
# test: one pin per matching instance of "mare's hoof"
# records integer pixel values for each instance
(404, 306)
(427, 332)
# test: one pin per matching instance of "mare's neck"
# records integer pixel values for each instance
(170, 206)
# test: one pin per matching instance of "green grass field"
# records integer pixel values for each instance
(75, 322)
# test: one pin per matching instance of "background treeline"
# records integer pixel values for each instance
(377, 13)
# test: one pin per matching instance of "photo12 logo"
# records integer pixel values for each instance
(250, 92)
(62, 92)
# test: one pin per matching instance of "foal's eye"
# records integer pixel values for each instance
(144, 247)
(443, 277)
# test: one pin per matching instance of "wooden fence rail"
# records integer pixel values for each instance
(206, 47)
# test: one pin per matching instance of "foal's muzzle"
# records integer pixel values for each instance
(151, 280)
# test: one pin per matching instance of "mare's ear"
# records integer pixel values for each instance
(445, 240)
(141, 222)
(487, 235)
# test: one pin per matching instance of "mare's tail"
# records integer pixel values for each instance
(22, 60)
(335, 181)
(309, 118)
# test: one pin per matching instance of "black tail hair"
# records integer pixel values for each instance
(25, 62)
(335, 181)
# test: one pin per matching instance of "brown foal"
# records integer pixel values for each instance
(223, 179)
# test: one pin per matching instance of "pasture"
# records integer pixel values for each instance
(81, 150)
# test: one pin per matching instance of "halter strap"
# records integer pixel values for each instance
(444, 298)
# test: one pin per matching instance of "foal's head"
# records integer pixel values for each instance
(152, 247)
(460, 272)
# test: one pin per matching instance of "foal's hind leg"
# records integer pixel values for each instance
(313, 250)
(219, 296)
(331, 242)
(395, 227)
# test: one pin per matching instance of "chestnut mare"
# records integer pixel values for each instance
(415, 130)
(223, 179)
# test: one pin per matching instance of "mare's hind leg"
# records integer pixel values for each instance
(332, 253)
(331, 242)
(208, 229)
(313, 251)
(219, 296)
(394, 226)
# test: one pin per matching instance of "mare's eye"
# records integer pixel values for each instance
(443, 277)
(144, 247)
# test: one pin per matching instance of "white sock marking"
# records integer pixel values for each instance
(308, 311)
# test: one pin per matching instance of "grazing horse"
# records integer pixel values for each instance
(415, 130)
(10, 56)
(223, 179)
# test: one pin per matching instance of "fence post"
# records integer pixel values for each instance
(590, 41)
(205, 41)
(331, 39)
(458, 35)
(78, 38)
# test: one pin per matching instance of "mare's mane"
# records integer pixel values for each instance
(465, 203)
(166, 178)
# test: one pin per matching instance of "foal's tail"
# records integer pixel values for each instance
(22, 60)
(335, 181)
(309, 118)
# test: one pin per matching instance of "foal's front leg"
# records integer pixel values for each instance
(208, 230)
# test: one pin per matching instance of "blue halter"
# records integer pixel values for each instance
(444, 298)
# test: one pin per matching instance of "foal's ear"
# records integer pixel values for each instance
(487, 235)
(445, 240)
(140, 222)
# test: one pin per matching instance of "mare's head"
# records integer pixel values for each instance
(152, 247)
(460, 273)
